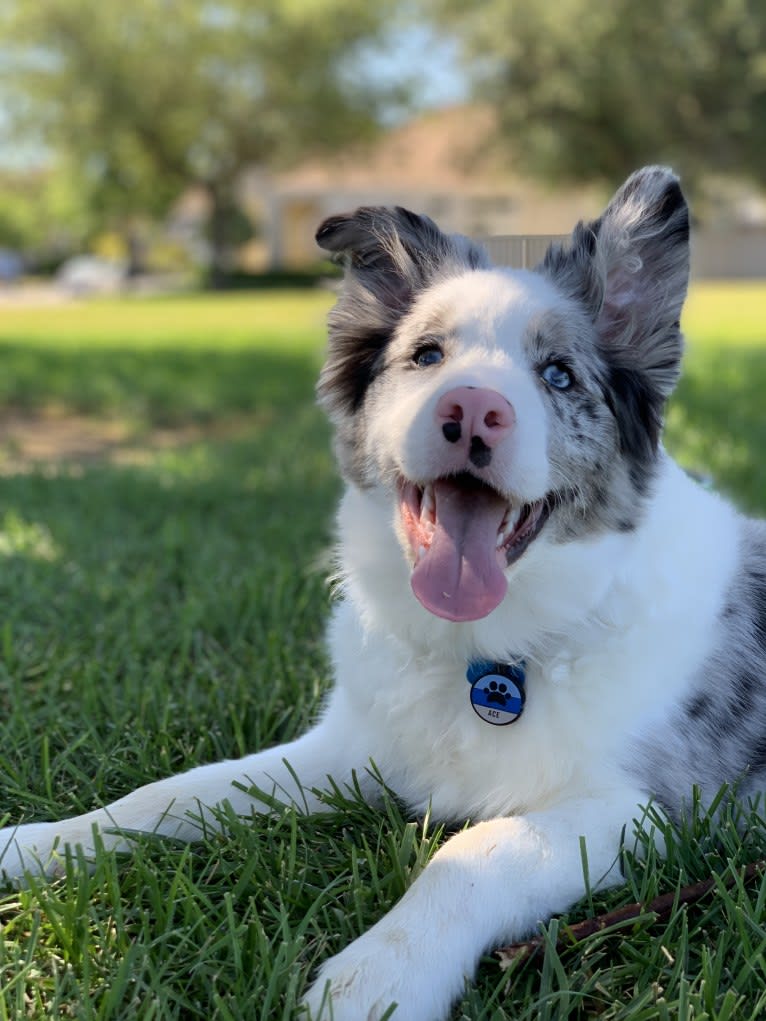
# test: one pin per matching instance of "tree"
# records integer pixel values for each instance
(589, 91)
(147, 98)
(42, 214)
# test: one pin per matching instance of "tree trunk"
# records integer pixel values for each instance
(135, 246)
(218, 237)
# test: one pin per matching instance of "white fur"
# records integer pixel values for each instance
(635, 614)
(490, 311)
(612, 627)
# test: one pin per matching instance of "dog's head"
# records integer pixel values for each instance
(497, 406)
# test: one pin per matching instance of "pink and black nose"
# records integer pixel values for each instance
(477, 418)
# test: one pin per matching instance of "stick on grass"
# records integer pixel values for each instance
(656, 910)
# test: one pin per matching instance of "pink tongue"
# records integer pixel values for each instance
(459, 577)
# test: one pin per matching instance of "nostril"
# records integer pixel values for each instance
(467, 411)
(451, 431)
(495, 420)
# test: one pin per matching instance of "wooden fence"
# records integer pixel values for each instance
(520, 251)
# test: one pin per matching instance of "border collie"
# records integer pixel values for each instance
(536, 598)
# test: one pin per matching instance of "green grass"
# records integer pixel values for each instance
(166, 609)
(716, 421)
(166, 361)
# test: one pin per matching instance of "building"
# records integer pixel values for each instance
(443, 163)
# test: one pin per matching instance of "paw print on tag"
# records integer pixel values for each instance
(497, 693)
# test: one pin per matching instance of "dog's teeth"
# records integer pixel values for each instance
(508, 524)
(427, 503)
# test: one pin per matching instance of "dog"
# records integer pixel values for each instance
(536, 599)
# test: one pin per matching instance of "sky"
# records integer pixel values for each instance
(432, 58)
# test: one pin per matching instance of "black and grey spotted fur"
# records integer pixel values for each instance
(389, 256)
(718, 736)
(625, 277)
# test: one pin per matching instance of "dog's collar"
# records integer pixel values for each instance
(497, 690)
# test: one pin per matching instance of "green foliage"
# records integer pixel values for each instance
(590, 91)
(41, 213)
(166, 609)
(143, 100)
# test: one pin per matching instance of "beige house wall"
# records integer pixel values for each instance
(446, 165)
(736, 253)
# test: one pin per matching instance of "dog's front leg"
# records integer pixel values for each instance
(492, 883)
(183, 806)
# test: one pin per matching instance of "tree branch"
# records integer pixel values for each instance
(658, 909)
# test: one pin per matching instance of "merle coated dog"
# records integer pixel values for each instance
(534, 595)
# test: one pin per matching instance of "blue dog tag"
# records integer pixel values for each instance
(497, 691)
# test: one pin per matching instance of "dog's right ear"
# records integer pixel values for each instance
(389, 256)
(630, 269)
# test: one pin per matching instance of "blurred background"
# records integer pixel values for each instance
(174, 142)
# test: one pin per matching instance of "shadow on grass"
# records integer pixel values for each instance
(717, 421)
(161, 614)
(156, 387)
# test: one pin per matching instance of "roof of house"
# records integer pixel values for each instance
(449, 152)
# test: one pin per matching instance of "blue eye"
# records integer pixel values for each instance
(429, 355)
(557, 376)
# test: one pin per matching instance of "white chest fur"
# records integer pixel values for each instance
(600, 666)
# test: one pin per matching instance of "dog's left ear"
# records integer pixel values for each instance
(630, 268)
(394, 253)
(389, 256)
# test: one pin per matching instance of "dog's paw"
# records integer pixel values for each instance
(352, 987)
(381, 974)
(28, 848)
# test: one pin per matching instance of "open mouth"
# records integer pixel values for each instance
(463, 534)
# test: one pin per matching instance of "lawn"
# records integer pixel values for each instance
(162, 552)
